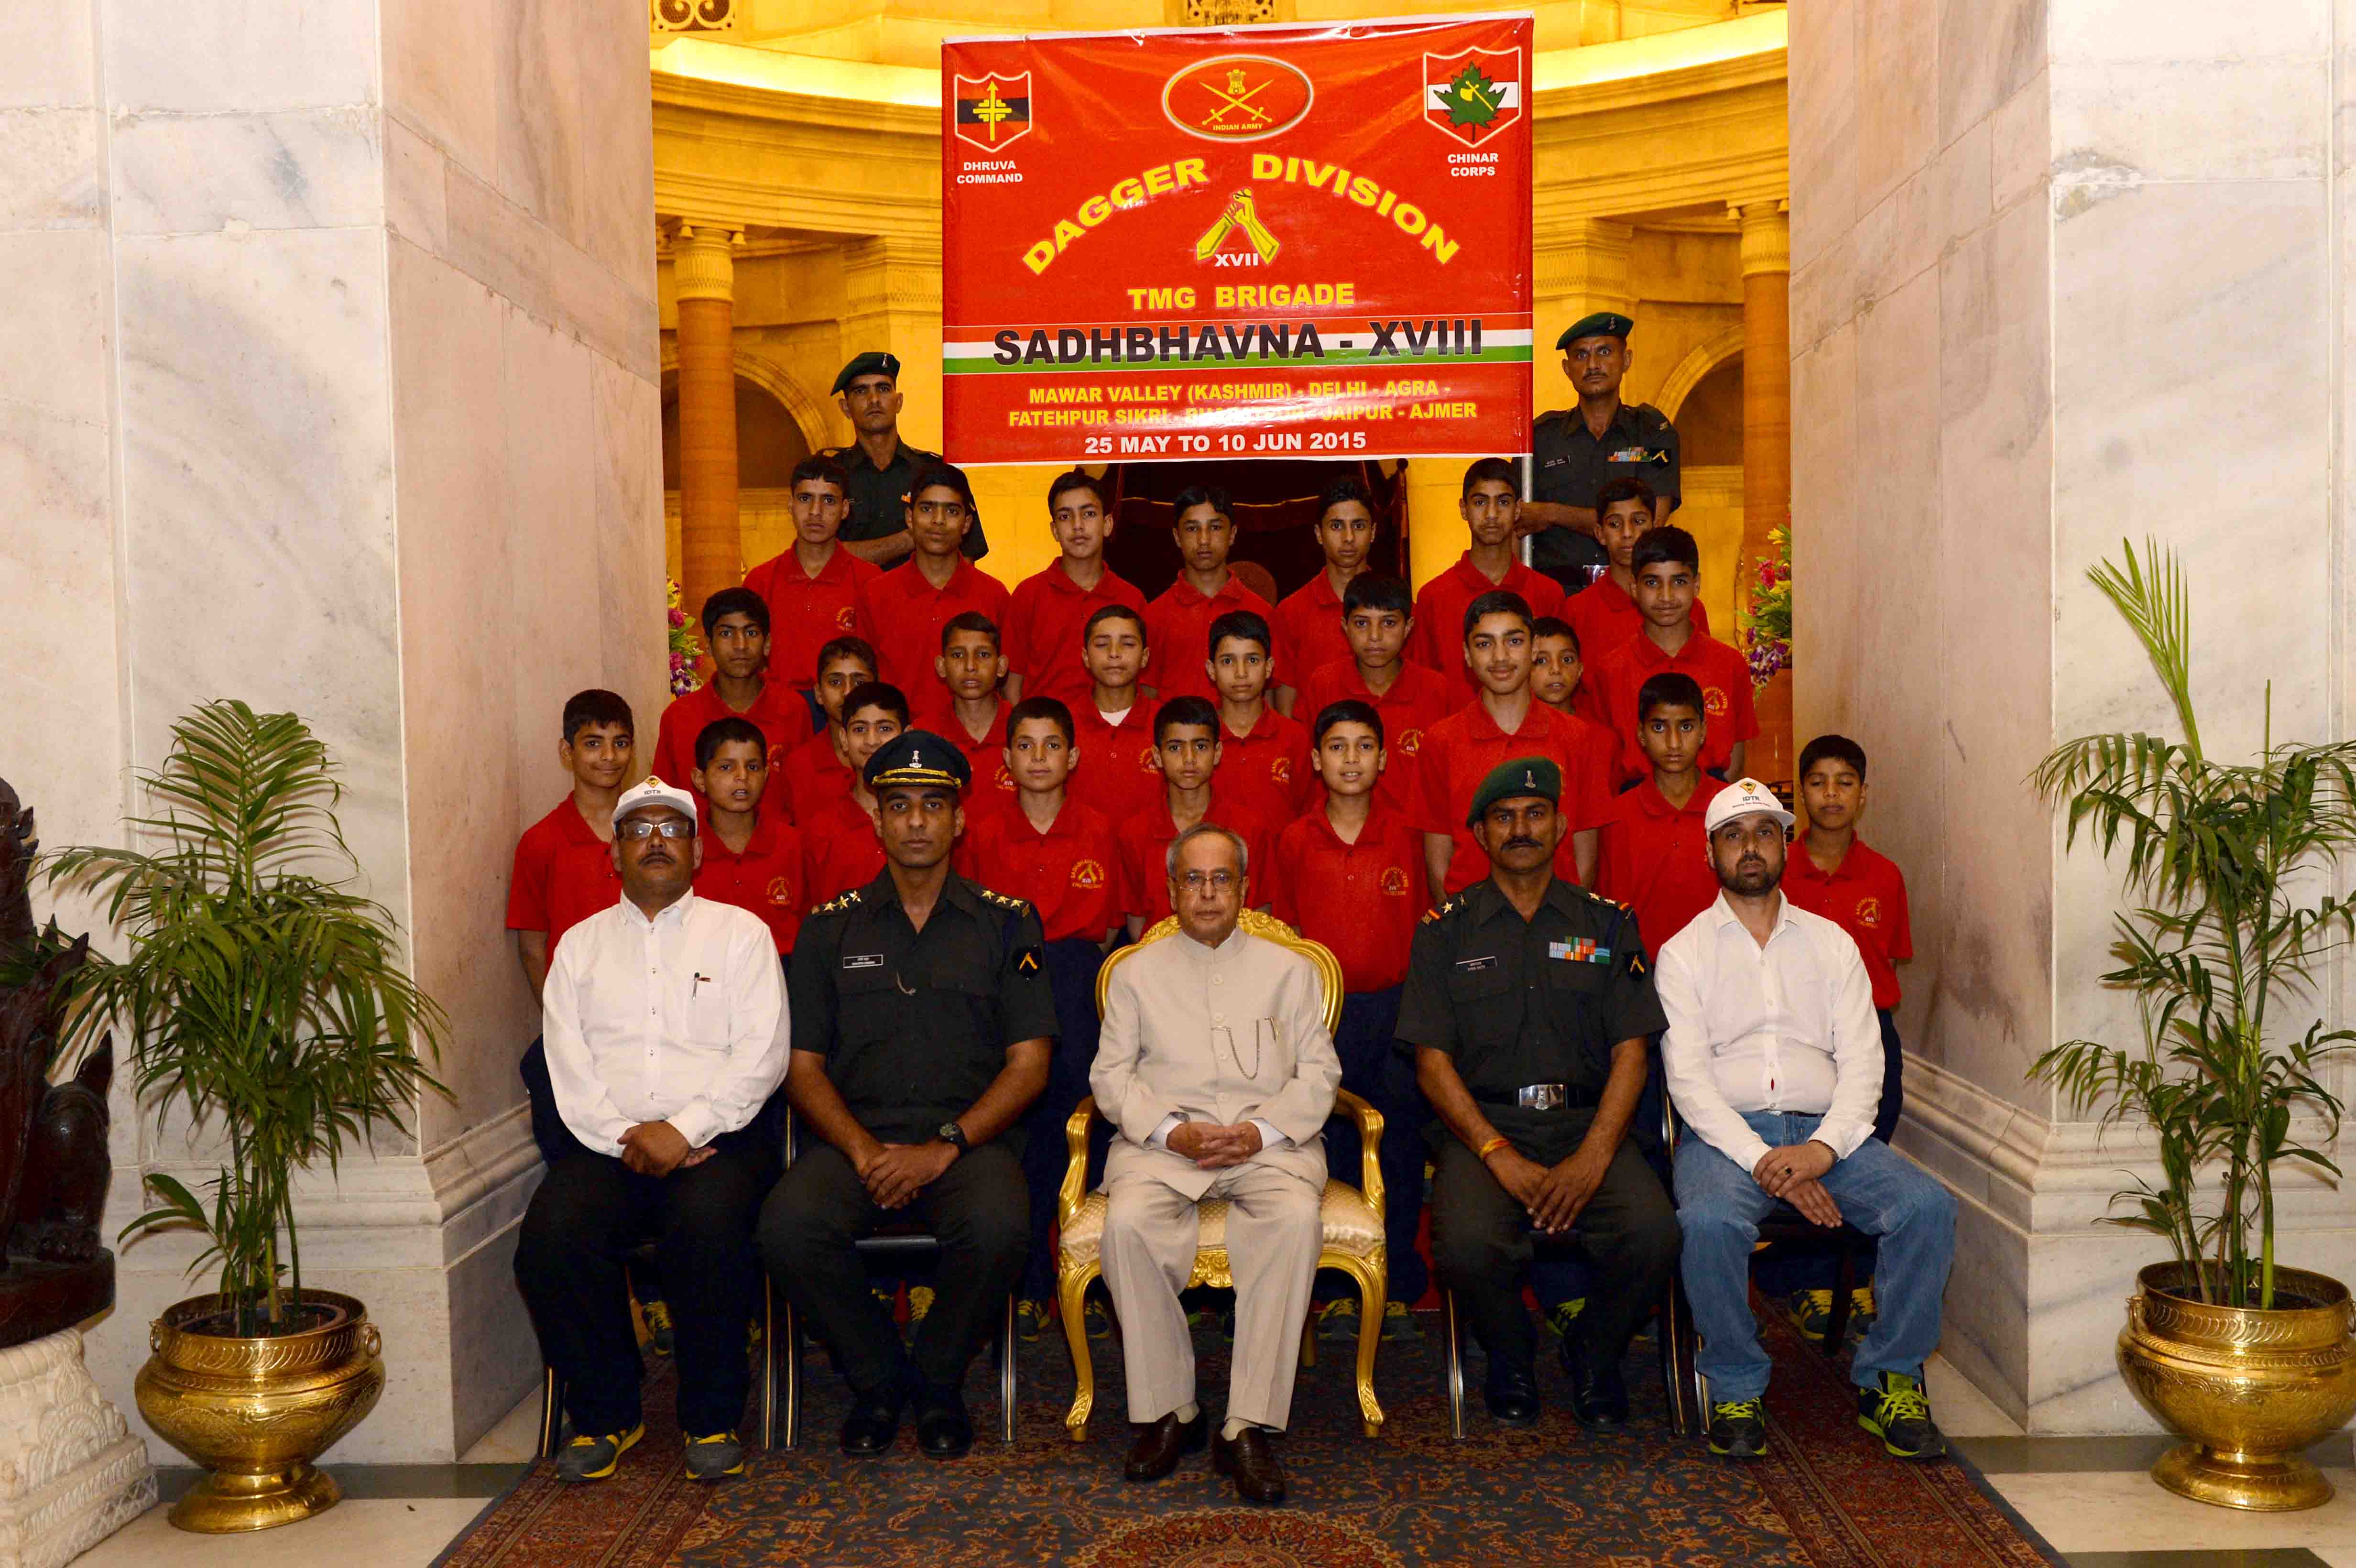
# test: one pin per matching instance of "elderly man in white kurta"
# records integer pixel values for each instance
(1216, 1069)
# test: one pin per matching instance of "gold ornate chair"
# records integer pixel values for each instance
(1353, 1215)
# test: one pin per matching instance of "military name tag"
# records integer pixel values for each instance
(1474, 965)
(1583, 951)
(863, 960)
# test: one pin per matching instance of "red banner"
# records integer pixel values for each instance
(1245, 241)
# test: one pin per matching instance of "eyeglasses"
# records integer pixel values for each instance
(639, 827)
(1217, 881)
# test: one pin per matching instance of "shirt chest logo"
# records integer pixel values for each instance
(1475, 965)
(1869, 911)
(1583, 951)
(863, 960)
(1394, 882)
(844, 620)
(1088, 874)
(1409, 743)
(1280, 770)
(1714, 702)
(781, 890)
(1147, 764)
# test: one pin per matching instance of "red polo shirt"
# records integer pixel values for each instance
(1461, 749)
(1417, 700)
(1145, 840)
(1071, 873)
(805, 613)
(1266, 769)
(1718, 670)
(1309, 633)
(902, 613)
(563, 874)
(1178, 631)
(1865, 895)
(1361, 900)
(1655, 857)
(1043, 626)
(779, 711)
(765, 879)
(840, 851)
(1605, 616)
(1116, 773)
(1438, 639)
(813, 778)
(986, 756)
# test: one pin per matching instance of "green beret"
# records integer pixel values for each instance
(1515, 776)
(1603, 324)
(918, 759)
(875, 362)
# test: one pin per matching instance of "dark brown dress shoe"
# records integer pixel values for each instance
(1160, 1443)
(1251, 1460)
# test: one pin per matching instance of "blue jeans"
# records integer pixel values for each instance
(1881, 1192)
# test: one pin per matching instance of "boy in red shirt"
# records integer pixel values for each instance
(1045, 621)
(1116, 770)
(812, 590)
(736, 630)
(967, 710)
(839, 848)
(902, 611)
(1667, 564)
(1205, 590)
(743, 857)
(1187, 746)
(1309, 619)
(1555, 670)
(815, 774)
(1505, 722)
(1652, 856)
(1491, 507)
(1349, 874)
(1265, 755)
(1377, 619)
(1061, 855)
(1605, 612)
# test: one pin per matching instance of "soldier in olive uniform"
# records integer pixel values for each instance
(921, 1020)
(1528, 1004)
(1575, 451)
(880, 466)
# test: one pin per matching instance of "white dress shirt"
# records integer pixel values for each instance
(679, 1019)
(1788, 1026)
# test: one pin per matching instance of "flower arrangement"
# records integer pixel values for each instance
(1767, 623)
(684, 649)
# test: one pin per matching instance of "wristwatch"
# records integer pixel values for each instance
(951, 1134)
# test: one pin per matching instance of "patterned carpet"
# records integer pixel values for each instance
(1823, 1498)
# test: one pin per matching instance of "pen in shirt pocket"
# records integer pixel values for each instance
(697, 987)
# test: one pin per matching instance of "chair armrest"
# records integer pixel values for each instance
(1075, 1189)
(1370, 1139)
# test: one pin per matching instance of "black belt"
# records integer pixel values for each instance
(1543, 1097)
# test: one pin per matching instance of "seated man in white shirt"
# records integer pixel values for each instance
(664, 1020)
(1773, 1059)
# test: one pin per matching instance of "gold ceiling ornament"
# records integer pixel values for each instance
(691, 15)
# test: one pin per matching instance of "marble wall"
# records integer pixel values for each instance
(2064, 273)
(331, 383)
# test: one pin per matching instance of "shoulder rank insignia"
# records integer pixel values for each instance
(839, 902)
(1026, 962)
(1003, 900)
(1448, 908)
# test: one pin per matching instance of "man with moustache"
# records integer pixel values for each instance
(1773, 1059)
(922, 1017)
(665, 1029)
(1528, 1004)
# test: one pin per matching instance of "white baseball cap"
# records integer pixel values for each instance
(652, 790)
(1745, 797)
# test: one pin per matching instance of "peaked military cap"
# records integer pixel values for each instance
(1603, 324)
(918, 759)
(875, 362)
(1511, 778)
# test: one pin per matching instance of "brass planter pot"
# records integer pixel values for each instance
(2250, 1388)
(256, 1413)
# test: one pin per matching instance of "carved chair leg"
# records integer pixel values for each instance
(1374, 1291)
(1071, 1296)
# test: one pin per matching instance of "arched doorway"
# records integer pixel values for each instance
(1276, 516)
(769, 440)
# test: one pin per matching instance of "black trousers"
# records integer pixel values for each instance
(1480, 1243)
(978, 1209)
(1374, 1068)
(1072, 966)
(589, 1212)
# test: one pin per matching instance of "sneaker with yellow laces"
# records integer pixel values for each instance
(1811, 1312)
(1031, 1319)
(1398, 1322)
(1737, 1429)
(1861, 1312)
(589, 1457)
(1563, 1314)
(1098, 1317)
(714, 1458)
(920, 1301)
(661, 1336)
(1897, 1409)
(1337, 1321)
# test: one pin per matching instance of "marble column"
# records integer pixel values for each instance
(892, 287)
(710, 549)
(1766, 447)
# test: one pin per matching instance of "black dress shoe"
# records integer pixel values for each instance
(1159, 1444)
(872, 1424)
(1599, 1394)
(1513, 1397)
(1251, 1460)
(943, 1429)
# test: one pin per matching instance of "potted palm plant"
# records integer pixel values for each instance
(266, 997)
(2227, 868)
